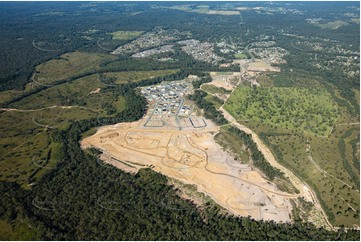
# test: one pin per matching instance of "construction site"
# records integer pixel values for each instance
(183, 148)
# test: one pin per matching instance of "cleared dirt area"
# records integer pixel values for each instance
(192, 156)
(95, 91)
(228, 82)
(261, 66)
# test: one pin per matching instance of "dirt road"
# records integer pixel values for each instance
(193, 157)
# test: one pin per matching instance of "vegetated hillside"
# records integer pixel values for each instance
(294, 108)
(82, 198)
(308, 151)
(79, 195)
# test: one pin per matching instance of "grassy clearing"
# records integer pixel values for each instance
(21, 141)
(26, 145)
(8, 95)
(289, 148)
(26, 148)
(336, 197)
(68, 65)
(17, 230)
(339, 197)
(240, 56)
(74, 93)
(335, 177)
(213, 89)
(230, 142)
(120, 104)
(49, 160)
(126, 35)
(5, 230)
(301, 109)
(135, 76)
(81, 93)
(217, 103)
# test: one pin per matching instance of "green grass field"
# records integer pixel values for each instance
(217, 103)
(301, 109)
(77, 92)
(213, 89)
(68, 65)
(126, 35)
(17, 230)
(134, 76)
(240, 56)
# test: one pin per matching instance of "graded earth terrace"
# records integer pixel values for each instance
(172, 140)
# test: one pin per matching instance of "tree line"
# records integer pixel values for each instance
(210, 111)
(258, 159)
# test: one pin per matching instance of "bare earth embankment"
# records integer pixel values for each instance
(192, 156)
(183, 148)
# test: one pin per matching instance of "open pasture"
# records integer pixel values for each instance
(240, 56)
